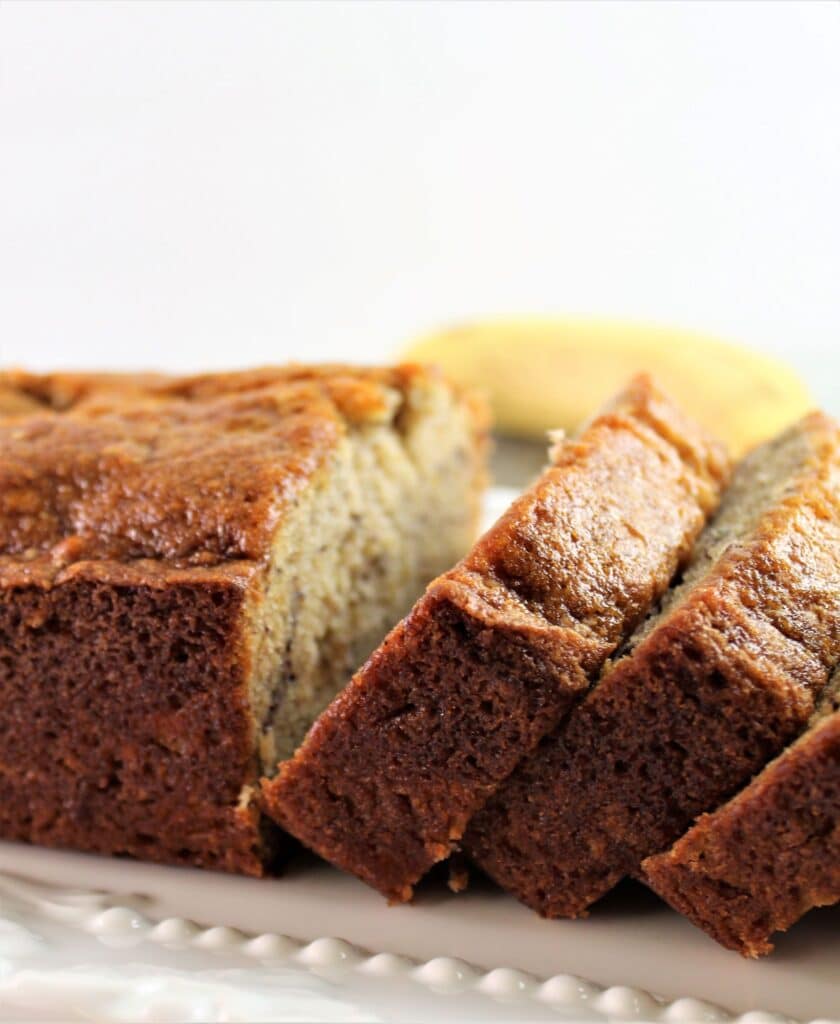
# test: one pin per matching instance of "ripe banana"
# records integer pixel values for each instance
(544, 374)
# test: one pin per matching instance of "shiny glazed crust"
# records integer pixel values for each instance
(499, 647)
(138, 516)
(713, 687)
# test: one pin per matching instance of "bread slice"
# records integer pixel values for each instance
(710, 688)
(190, 569)
(769, 855)
(495, 652)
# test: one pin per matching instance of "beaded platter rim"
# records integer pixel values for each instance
(115, 920)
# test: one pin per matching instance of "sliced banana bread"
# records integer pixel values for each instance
(190, 569)
(495, 652)
(761, 861)
(710, 688)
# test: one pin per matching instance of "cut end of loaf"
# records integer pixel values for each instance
(395, 505)
(189, 569)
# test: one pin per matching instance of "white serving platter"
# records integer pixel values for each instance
(633, 959)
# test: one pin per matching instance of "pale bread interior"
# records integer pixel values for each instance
(396, 506)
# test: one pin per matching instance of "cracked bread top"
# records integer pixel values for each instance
(520, 572)
(156, 474)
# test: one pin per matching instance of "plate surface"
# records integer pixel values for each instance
(632, 944)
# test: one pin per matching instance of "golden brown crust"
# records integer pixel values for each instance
(722, 683)
(189, 471)
(136, 520)
(498, 648)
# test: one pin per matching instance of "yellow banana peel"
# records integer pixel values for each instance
(544, 374)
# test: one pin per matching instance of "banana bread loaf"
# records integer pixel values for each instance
(710, 688)
(189, 570)
(764, 859)
(495, 652)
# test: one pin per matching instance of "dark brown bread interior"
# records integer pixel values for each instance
(712, 686)
(496, 651)
(769, 855)
(110, 742)
(167, 614)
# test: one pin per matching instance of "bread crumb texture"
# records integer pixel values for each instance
(190, 568)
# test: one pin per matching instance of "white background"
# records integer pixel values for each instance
(215, 184)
